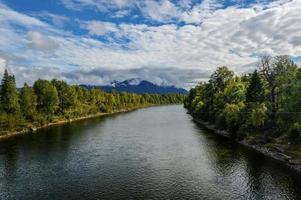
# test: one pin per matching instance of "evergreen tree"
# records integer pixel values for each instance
(255, 90)
(9, 95)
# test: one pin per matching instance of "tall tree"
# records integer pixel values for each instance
(66, 94)
(9, 94)
(255, 90)
(278, 73)
(221, 77)
(28, 102)
(47, 97)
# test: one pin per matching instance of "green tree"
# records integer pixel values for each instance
(28, 102)
(235, 91)
(66, 94)
(9, 95)
(255, 90)
(233, 116)
(47, 97)
(292, 107)
(221, 77)
(278, 72)
(257, 116)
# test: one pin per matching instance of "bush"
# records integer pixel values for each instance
(40, 119)
(294, 133)
(258, 115)
(11, 122)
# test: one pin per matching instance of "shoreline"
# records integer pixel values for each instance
(33, 129)
(276, 155)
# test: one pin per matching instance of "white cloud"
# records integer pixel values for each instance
(101, 5)
(2, 65)
(41, 42)
(122, 13)
(10, 16)
(230, 36)
(162, 11)
(99, 27)
(57, 20)
(201, 11)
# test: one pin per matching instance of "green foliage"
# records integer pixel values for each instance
(279, 73)
(66, 95)
(234, 91)
(255, 91)
(220, 78)
(47, 97)
(49, 101)
(257, 116)
(10, 121)
(9, 95)
(260, 106)
(199, 106)
(233, 115)
(295, 133)
(28, 102)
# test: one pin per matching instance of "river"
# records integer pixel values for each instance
(151, 153)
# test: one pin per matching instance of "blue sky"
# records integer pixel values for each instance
(165, 41)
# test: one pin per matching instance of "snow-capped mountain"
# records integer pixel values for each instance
(132, 82)
(138, 86)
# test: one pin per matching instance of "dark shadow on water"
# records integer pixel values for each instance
(263, 174)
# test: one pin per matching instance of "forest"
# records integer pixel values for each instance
(262, 108)
(52, 101)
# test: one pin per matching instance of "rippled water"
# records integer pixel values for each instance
(152, 153)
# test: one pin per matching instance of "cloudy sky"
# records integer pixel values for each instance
(176, 42)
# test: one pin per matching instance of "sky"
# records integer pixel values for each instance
(169, 42)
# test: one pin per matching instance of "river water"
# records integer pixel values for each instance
(151, 153)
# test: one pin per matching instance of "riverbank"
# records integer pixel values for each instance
(275, 153)
(31, 128)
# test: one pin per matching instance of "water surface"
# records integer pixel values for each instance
(152, 153)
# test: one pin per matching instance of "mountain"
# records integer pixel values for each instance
(138, 86)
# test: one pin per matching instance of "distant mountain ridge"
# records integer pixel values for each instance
(138, 86)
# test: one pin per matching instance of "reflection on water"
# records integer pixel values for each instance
(153, 153)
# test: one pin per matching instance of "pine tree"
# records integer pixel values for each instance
(255, 91)
(9, 94)
(4, 87)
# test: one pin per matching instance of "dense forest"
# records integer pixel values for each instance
(263, 107)
(53, 101)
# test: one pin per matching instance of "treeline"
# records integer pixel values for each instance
(263, 107)
(51, 101)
